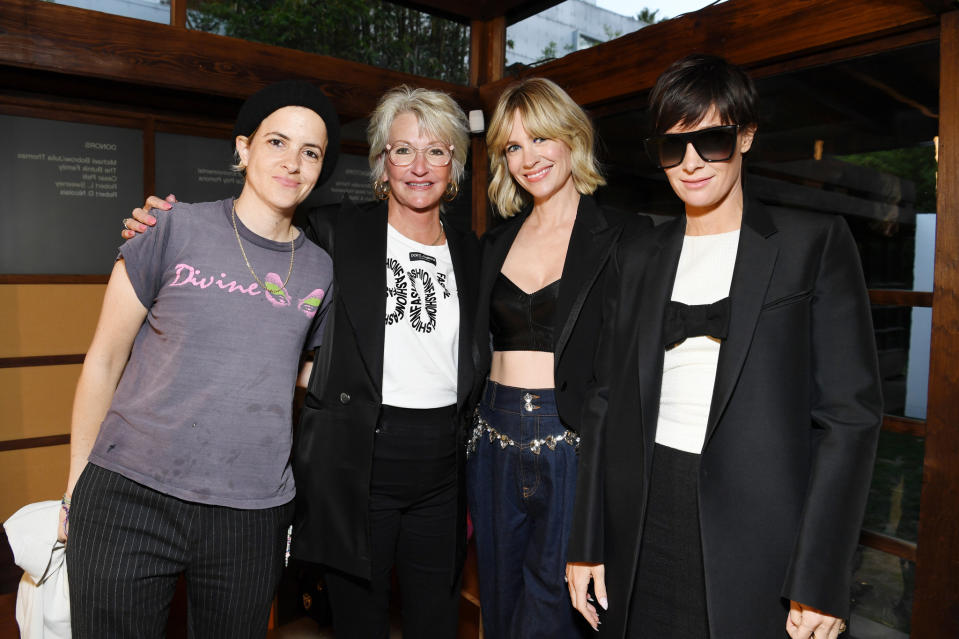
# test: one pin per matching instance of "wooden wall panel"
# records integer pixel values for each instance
(49, 37)
(32, 475)
(36, 401)
(936, 608)
(48, 319)
(747, 32)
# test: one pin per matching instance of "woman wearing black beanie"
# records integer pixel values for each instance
(210, 312)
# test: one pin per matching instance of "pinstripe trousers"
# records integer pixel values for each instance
(128, 544)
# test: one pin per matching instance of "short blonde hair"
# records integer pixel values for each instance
(547, 112)
(437, 114)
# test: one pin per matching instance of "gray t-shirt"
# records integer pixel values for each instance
(203, 409)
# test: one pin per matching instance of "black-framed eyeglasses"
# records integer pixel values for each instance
(403, 154)
(715, 144)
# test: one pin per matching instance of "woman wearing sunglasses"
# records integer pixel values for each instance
(738, 414)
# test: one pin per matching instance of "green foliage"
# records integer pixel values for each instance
(916, 163)
(611, 34)
(370, 31)
(648, 17)
(548, 52)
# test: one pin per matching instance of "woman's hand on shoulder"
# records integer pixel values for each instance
(142, 218)
(578, 576)
(805, 622)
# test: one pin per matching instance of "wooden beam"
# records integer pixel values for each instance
(178, 13)
(941, 6)
(935, 611)
(904, 425)
(487, 50)
(747, 32)
(891, 545)
(41, 360)
(53, 279)
(49, 37)
(487, 60)
(898, 297)
(34, 442)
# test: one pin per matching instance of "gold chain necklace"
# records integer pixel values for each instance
(433, 243)
(245, 259)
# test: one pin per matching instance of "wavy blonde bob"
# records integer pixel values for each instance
(438, 116)
(547, 112)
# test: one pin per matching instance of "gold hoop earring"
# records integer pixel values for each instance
(381, 190)
(452, 190)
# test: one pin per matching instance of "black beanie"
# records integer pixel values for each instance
(292, 93)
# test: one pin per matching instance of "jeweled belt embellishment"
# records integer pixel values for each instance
(481, 427)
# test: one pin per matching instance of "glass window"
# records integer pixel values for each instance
(579, 24)
(902, 341)
(893, 507)
(370, 31)
(152, 10)
(881, 599)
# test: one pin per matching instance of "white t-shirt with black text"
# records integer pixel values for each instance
(420, 353)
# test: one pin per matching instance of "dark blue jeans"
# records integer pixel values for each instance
(521, 503)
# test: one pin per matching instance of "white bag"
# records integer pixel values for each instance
(43, 598)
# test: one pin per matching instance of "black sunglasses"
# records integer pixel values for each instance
(715, 144)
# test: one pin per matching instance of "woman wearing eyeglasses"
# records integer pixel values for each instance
(379, 451)
(737, 417)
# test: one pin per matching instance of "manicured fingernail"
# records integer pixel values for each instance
(604, 602)
(141, 227)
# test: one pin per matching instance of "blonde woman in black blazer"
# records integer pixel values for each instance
(752, 532)
(539, 308)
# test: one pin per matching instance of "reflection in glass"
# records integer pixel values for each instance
(567, 27)
(152, 10)
(893, 507)
(902, 342)
(370, 31)
(881, 597)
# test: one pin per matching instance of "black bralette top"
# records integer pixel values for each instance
(521, 321)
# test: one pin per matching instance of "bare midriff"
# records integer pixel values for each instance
(522, 369)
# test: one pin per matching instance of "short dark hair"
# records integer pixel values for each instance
(686, 90)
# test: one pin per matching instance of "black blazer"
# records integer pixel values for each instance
(791, 434)
(578, 312)
(333, 450)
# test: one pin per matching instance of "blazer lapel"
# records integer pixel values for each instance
(360, 269)
(467, 303)
(656, 291)
(589, 246)
(495, 255)
(755, 261)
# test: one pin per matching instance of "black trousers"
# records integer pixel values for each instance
(670, 597)
(128, 544)
(413, 505)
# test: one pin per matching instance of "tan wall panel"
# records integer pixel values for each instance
(48, 319)
(36, 400)
(31, 475)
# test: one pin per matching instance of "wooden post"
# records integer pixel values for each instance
(178, 13)
(487, 59)
(935, 611)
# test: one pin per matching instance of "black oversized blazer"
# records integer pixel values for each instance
(333, 448)
(578, 313)
(791, 435)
